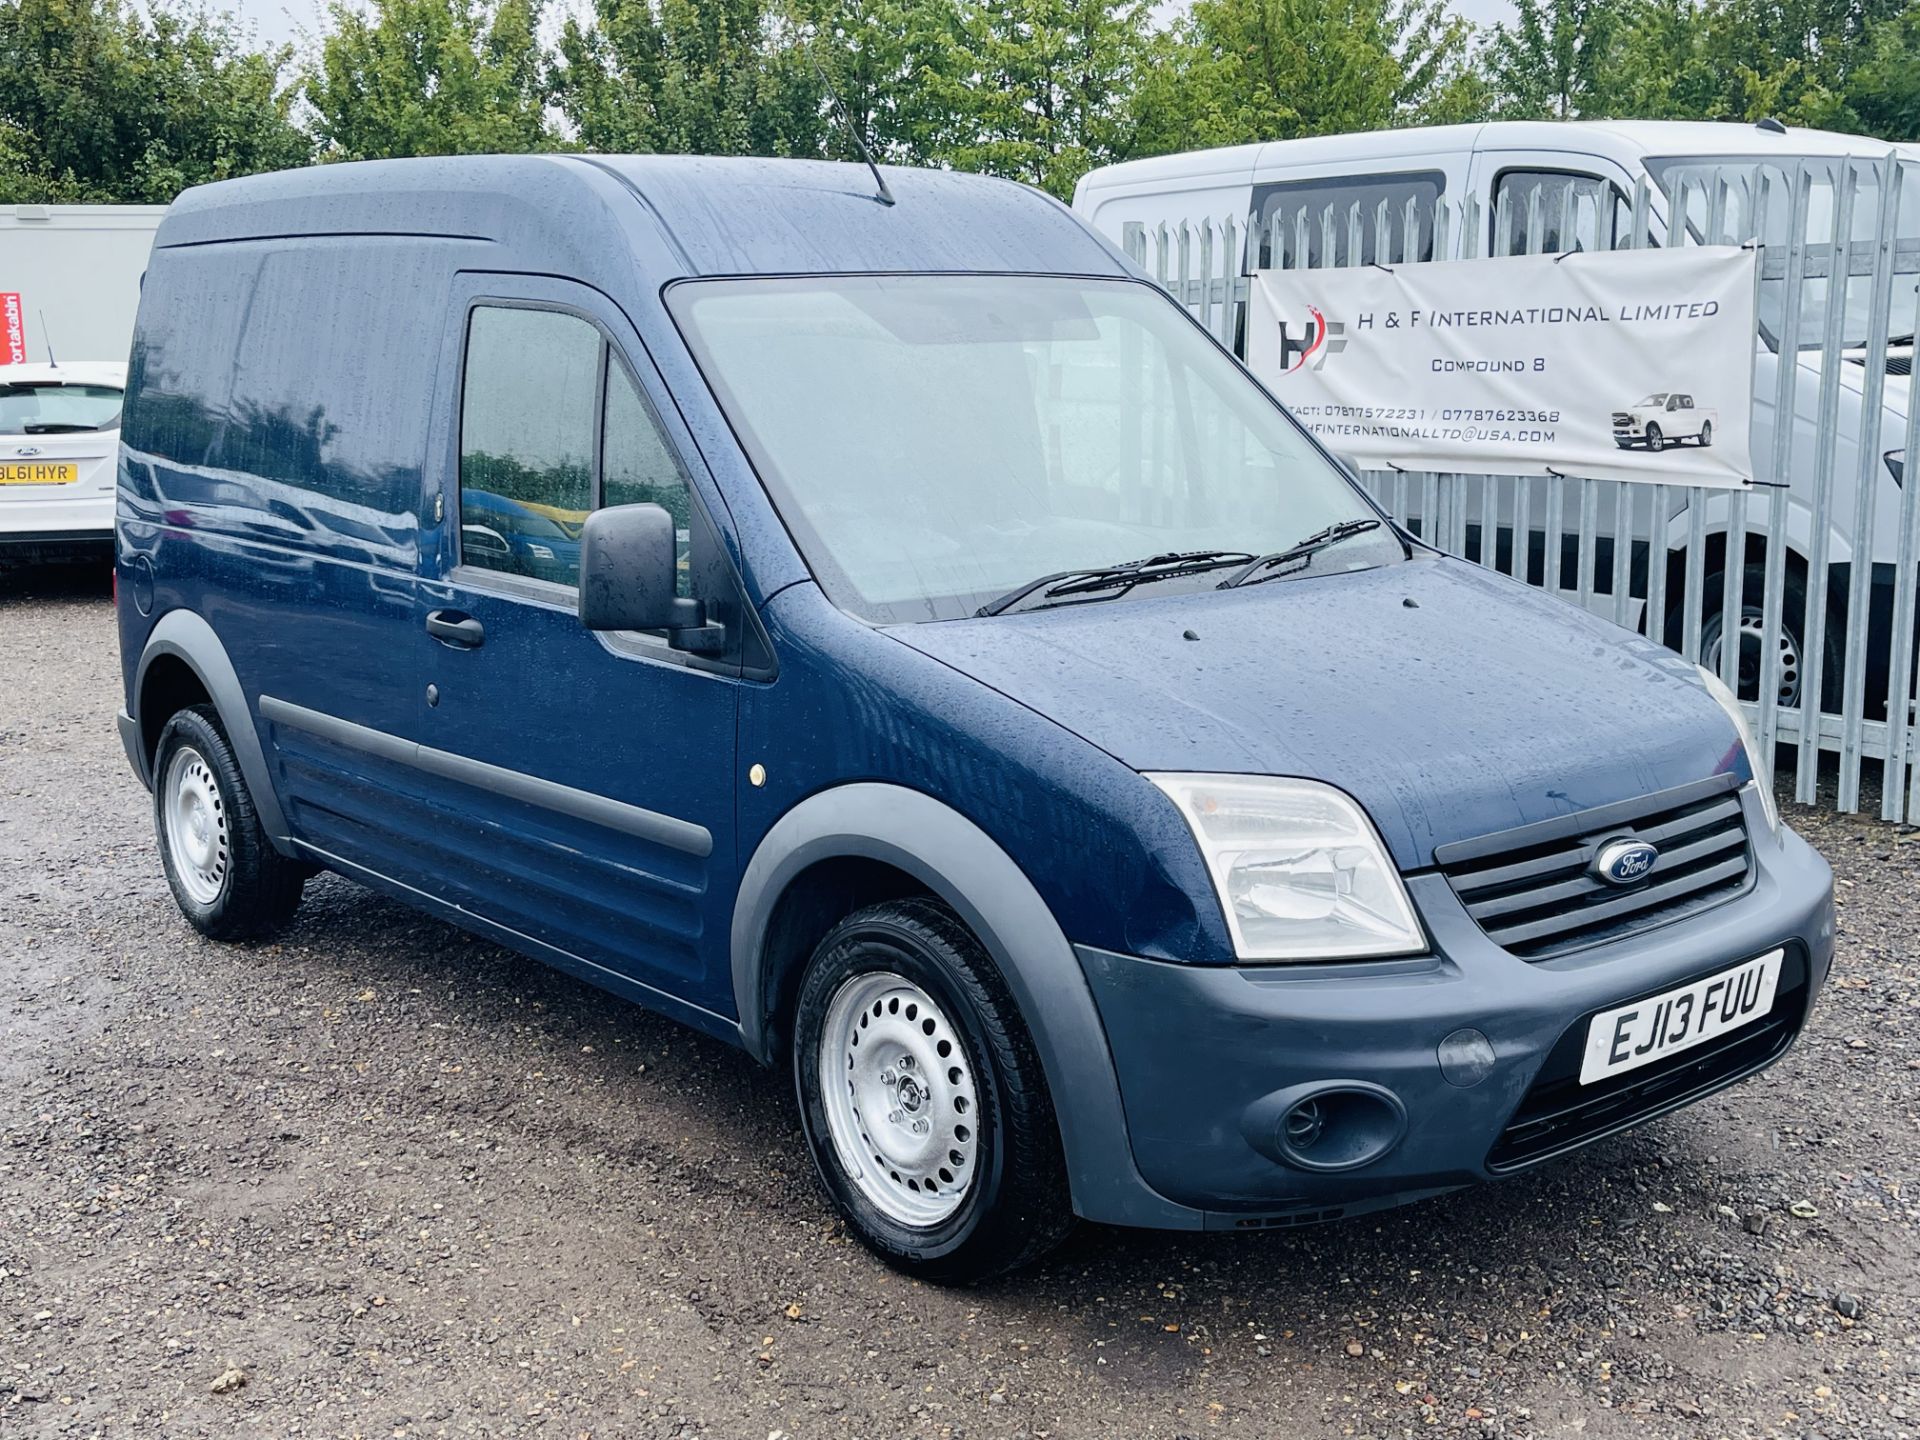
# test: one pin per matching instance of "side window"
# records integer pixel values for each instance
(1573, 212)
(527, 410)
(1346, 219)
(638, 467)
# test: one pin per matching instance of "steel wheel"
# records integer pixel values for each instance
(1752, 636)
(901, 1102)
(196, 821)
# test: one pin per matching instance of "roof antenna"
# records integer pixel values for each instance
(885, 196)
(46, 336)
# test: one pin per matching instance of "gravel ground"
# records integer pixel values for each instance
(383, 1179)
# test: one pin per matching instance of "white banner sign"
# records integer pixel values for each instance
(1618, 365)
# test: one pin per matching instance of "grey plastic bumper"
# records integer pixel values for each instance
(1201, 1052)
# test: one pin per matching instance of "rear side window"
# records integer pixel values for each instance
(35, 409)
(528, 409)
(1347, 219)
(1573, 211)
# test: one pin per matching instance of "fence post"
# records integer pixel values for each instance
(1853, 695)
(1786, 378)
(1813, 664)
(1896, 803)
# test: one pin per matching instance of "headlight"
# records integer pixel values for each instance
(538, 551)
(1897, 465)
(1298, 868)
(1762, 777)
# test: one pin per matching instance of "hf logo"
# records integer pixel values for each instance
(1322, 337)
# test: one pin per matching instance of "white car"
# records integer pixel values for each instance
(59, 446)
(1663, 418)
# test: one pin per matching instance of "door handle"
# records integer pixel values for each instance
(451, 627)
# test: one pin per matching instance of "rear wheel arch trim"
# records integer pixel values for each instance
(187, 636)
(962, 865)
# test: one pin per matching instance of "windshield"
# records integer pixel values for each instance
(1659, 399)
(34, 408)
(1759, 194)
(933, 441)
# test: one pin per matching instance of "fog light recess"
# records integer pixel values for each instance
(1328, 1125)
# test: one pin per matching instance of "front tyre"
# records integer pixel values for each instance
(225, 875)
(1656, 441)
(923, 1100)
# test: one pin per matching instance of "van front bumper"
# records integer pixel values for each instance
(1210, 1058)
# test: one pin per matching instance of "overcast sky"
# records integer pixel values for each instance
(279, 22)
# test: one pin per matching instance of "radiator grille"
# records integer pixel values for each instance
(1534, 893)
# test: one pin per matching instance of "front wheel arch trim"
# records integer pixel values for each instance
(962, 865)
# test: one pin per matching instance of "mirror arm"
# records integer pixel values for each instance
(692, 632)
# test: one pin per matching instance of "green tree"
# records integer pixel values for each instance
(429, 77)
(1037, 90)
(890, 63)
(1554, 60)
(1747, 59)
(703, 77)
(99, 102)
(1660, 67)
(1883, 91)
(1241, 70)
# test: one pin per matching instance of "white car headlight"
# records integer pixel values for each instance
(1762, 778)
(1298, 867)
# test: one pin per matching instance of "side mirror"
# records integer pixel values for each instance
(627, 571)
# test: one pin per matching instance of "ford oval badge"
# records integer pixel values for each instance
(1625, 862)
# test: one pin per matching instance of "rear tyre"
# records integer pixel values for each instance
(923, 1100)
(1706, 434)
(1750, 625)
(1656, 442)
(225, 875)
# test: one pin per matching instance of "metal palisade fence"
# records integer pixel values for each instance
(1829, 514)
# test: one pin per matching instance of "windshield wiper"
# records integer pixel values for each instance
(1267, 567)
(1118, 578)
(55, 428)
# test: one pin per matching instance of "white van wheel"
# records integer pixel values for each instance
(225, 875)
(922, 1096)
(900, 1097)
(196, 823)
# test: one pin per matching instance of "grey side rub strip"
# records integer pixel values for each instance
(666, 830)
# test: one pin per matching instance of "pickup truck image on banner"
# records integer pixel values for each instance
(1621, 365)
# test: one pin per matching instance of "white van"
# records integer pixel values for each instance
(1575, 183)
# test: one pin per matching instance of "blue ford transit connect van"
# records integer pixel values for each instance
(895, 639)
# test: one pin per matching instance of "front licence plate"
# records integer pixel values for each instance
(1662, 1025)
(38, 472)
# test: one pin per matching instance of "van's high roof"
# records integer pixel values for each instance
(1624, 140)
(681, 215)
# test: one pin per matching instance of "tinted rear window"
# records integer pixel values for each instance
(56, 409)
